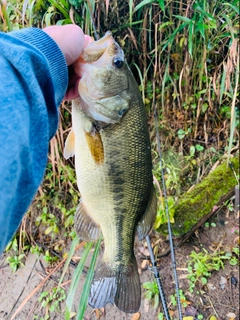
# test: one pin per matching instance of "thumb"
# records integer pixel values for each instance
(69, 38)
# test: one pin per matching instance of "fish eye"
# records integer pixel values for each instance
(118, 63)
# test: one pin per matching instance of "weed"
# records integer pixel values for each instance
(16, 249)
(181, 133)
(52, 300)
(48, 219)
(229, 204)
(208, 224)
(152, 292)
(234, 256)
(161, 217)
(160, 316)
(183, 299)
(16, 262)
(49, 258)
(202, 264)
(36, 249)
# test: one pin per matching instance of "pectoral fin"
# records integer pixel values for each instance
(146, 223)
(69, 148)
(85, 227)
(95, 144)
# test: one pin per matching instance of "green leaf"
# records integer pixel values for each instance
(76, 277)
(204, 107)
(233, 261)
(142, 4)
(192, 151)
(199, 147)
(62, 9)
(48, 230)
(160, 316)
(222, 87)
(130, 5)
(190, 38)
(185, 19)
(232, 6)
(74, 244)
(84, 297)
(161, 5)
(171, 38)
(200, 26)
(165, 24)
(181, 134)
(204, 280)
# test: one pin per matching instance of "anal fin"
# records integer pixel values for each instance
(85, 227)
(146, 223)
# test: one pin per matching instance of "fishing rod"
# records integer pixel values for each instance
(166, 207)
(158, 279)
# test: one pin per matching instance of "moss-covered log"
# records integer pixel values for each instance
(200, 201)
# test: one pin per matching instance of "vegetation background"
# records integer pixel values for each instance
(185, 57)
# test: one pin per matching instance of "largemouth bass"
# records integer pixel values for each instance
(110, 141)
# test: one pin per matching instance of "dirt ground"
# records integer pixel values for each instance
(219, 297)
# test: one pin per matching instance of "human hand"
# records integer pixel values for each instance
(71, 40)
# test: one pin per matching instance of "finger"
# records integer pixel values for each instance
(72, 92)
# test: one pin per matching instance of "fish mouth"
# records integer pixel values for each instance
(96, 49)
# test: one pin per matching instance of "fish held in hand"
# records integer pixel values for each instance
(110, 141)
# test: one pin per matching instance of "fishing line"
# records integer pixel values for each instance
(166, 207)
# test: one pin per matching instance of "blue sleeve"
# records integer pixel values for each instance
(33, 81)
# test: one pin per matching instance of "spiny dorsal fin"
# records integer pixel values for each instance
(95, 145)
(69, 148)
(85, 227)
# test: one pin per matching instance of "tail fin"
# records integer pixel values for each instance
(121, 286)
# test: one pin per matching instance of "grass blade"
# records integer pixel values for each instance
(85, 294)
(5, 14)
(222, 87)
(161, 5)
(233, 112)
(70, 254)
(190, 38)
(142, 4)
(232, 6)
(75, 281)
(130, 11)
(165, 77)
(63, 10)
